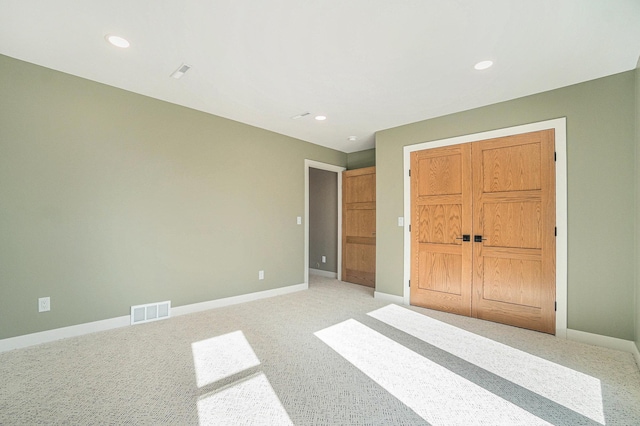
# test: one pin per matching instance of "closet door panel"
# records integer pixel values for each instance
(514, 218)
(440, 216)
(359, 226)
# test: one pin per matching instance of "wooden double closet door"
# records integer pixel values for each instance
(483, 237)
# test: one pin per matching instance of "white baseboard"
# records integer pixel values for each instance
(111, 323)
(326, 274)
(63, 333)
(388, 297)
(605, 342)
(234, 300)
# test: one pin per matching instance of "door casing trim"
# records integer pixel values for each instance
(560, 127)
(331, 168)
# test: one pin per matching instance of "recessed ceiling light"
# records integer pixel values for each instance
(118, 41)
(321, 117)
(483, 65)
(352, 138)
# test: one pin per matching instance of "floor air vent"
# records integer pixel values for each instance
(150, 312)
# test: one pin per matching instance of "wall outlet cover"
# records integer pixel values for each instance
(44, 304)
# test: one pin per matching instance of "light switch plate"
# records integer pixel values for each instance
(299, 220)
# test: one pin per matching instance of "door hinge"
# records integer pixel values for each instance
(409, 283)
(555, 156)
(409, 172)
(555, 232)
(555, 306)
(409, 228)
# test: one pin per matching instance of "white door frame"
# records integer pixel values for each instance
(560, 127)
(331, 168)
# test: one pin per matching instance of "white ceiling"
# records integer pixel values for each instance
(367, 65)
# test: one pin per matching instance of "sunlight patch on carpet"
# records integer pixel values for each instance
(247, 402)
(221, 357)
(433, 392)
(576, 391)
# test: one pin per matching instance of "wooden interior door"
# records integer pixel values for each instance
(359, 226)
(441, 217)
(500, 193)
(514, 219)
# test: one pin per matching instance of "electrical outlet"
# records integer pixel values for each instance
(324, 259)
(261, 275)
(299, 220)
(44, 304)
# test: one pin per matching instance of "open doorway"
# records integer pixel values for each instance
(323, 221)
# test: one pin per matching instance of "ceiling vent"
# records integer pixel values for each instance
(181, 71)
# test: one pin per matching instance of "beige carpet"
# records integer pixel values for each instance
(331, 355)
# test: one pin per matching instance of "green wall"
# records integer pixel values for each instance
(601, 195)
(361, 159)
(110, 199)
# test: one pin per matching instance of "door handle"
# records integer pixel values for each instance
(478, 239)
(464, 238)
